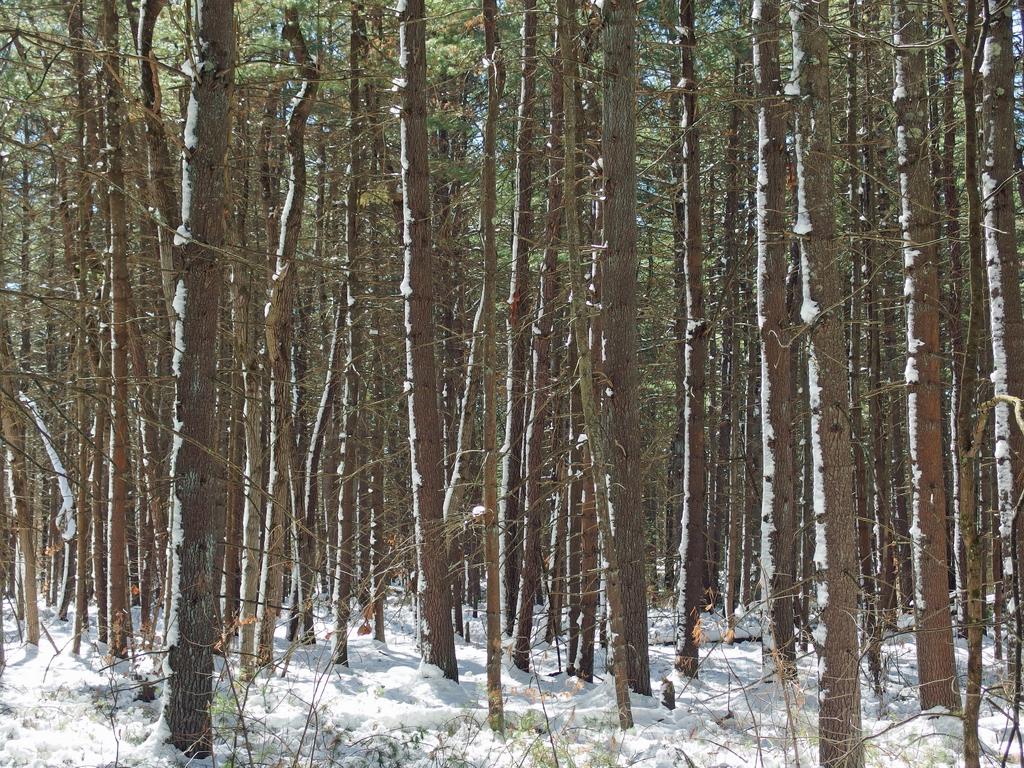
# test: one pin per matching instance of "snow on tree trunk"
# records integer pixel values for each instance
(923, 370)
(191, 624)
(690, 583)
(66, 514)
(777, 509)
(351, 470)
(835, 553)
(1003, 264)
(487, 513)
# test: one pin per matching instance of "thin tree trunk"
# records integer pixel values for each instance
(100, 497)
(279, 340)
(489, 510)
(966, 358)
(351, 460)
(777, 505)
(550, 290)
(512, 491)
(541, 398)
(83, 211)
(119, 615)
(158, 148)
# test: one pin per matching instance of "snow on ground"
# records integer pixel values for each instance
(58, 710)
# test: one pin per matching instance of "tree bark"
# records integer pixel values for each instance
(595, 432)
(489, 510)
(279, 339)
(618, 149)
(436, 636)
(157, 145)
(117, 570)
(835, 553)
(936, 669)
(777, 505)
(512, 492)
(966, 359)
(1003, 263)
(192, 624)
(23, 517)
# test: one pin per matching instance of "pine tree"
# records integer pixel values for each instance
(436, 636)
(191, 622)
(835, 552)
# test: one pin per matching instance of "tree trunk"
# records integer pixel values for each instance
(966, 358)
(351, 459)
(595, 433)
(157, 145)
(117, 571)
(1003, 262)
(76, 23)
(512, 492)
(279, 340)
(489, 510)
(23, 517)
(436, 636)
(835, 553)
(618, 148)
(191, 624)
(777, 506)
(935, 663)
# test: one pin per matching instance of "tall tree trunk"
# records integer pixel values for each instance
(351, 459)
(859, 244)
(119, 615)
(729, 366)
(512, 492)
(966, 358)
(550, 290)
(1003, 261)
(489, 511)
(595, 433)
(618, 149)
(191, 623)
(436, 636)
(279, 339)
(778, 526)
(76, 23)
(690, 587)
(245, 280)
(935, 663)
(835, 553)
(541, 397)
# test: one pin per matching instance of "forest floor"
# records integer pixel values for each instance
(59, 710)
